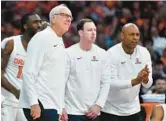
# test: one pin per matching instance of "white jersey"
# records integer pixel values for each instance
(164, 109)
(2, 98)
(3, 43)
(14, 68)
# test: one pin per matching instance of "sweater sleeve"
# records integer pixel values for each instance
(33, 62)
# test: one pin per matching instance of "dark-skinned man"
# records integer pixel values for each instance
(130, 68)
(12, 61)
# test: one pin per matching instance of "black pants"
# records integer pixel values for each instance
(46, 114)
(111, 117)
(81, 118)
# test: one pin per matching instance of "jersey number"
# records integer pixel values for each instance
(19, 71)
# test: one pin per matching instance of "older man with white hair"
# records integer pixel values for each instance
(42, 94)
(130, 68)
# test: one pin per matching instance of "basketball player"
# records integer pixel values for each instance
(13, 55)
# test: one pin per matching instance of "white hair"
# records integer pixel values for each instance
(56, 10)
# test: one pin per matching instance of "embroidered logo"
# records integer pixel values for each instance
(123, 62)
(137, 61)
(94, 58)
(79, 58)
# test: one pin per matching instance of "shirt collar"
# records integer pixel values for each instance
(53, 32)
(91, 50)
(125, 55)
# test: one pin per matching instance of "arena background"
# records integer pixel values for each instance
(109, 16)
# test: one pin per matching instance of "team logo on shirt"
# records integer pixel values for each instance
(19, 60)
(123, 62)
(137, 61)
(78, 58)
(55, 45)
(94, 58)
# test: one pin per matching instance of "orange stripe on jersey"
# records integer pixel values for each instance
(19, 71)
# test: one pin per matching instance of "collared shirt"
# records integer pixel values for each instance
(123, 99)
(44, 71)
(88, 79)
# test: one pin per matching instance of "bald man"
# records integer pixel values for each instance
(130, 68)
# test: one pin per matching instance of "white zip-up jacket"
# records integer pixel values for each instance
(88, 79)
(123, 99)
(44, 71)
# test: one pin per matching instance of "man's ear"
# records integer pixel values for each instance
(25, 26)
(53, 18)
(80, 32)
(121, 35)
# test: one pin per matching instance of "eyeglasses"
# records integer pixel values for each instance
(65, 15)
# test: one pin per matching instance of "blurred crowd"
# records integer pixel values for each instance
(109, 16)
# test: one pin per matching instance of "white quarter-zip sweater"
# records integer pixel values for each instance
(88, 79)
(44, 71)
(123, 99)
